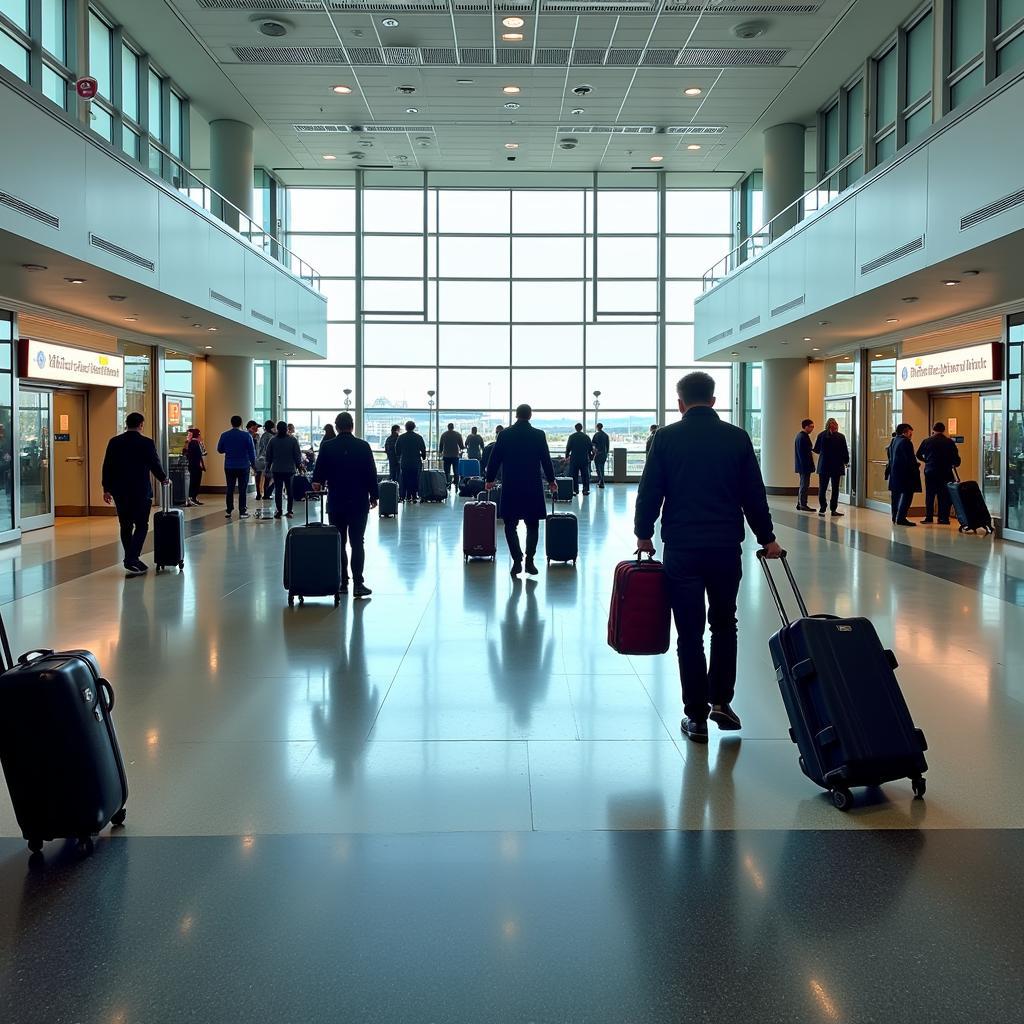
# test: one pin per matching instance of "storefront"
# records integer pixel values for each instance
(842, 385)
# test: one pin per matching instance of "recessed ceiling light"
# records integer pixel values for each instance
(512, 37)
(131, 318)
(464, 81)
(211, 328)
(412, 110)
(75, 280)
(511, 145)
(578, 112)
(950, 283)
(511, 90)
(878, 355)
(910, 298)
(824, 323)
(34, 268)
(656, 159)
(693, 146)
(197, 325)
(513, 22)
(815, 349)
(207, 347)
(511, 106)
(970, 273)
(330, 156)
(390, 23)
(807, 339)
(342, 90)
(116, 298)
(734, 353)
(892, 320)
(692, 91)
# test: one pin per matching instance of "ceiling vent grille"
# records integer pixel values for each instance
(369, 56)
(692, 7)
(787, 306)
(992, 209)
(695, 129)
(752, 322)
(438, 55)
(397, 129)
(476, 55)
(396, 56)
(660, 58)
(745, 57)
(116, 250)
(687, 8)
(14, 203)
(589, 56)
(629, 58)
(509, 56)
(226, 299)
(720, 336)
(321, 129)
(891, 257)
(609, 129)
(291, 54)
(597, 7)
(552, 57)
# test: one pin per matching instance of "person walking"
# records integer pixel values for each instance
(602, 445)
(904, 474)
(833, 457)
(940, 456)
(268, 435)
(345, 464)
(489, 448)
(284, 460)
(412, 453)
(474, 445)
(259, 472)
(578, 452)
(703, 479)
(450, 447)
(650, 438)
(391, 451)
(803, 463)
(195, 456)
(521, 456)
(128, 463)
(236, 445)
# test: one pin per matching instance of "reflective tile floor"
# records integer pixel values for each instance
(454, 802)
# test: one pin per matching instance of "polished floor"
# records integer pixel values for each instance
(453, 802)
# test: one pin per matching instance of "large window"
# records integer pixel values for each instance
(1015, 427)
(471, 301)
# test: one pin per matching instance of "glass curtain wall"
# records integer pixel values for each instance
(1014, 519)
(466, 302)
(885, 410)
(137, 393)
(6, 421)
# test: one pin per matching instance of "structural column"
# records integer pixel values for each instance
(231, 166)
(230, 391)
(783, 174)
(784, 403)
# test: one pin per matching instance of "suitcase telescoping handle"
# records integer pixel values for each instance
(320, 495)
(165, 495)
(773, 587)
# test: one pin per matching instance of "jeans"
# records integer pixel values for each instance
(409, 485)
(936, 491)
(805, 489)
(133, 517)
(239, 477)
(900, 501)
(352, 523)
(580, 471)
(451, 469)
(835, 479)
(693, 575)
(195, 479)
(512, 538)
(599, 461)
(282, 486)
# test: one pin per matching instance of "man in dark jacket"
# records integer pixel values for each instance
(578, 450)
(391, 451)
(129, 460)
(904, 474)
(489, 448)
(601, 447)
(803, 463)
(833, 458)
(411, 452)
(521, 456)
(940, 456)
(345, 464)
(450, 447)
(703, 479)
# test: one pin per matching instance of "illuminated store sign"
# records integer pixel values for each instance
(978, 364)
(62, 364)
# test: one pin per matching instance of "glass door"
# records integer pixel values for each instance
(842, 410)
(35, 464)
(992, 451)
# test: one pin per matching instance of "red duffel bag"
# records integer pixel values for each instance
(640, 617)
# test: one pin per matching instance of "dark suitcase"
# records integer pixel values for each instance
(640, 616)
(561, 536)
(301, 486)
(470, 486)
(168, 536)
(433, 486)
(312, 560)
(969, 505)
(846, 710)
(564, 488)
(180, 480)
(479, 530)
(58, 749)
(493, 496)
(387, 499)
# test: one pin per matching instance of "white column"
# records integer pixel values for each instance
(231, 166)
(783, 173)
(784, 399)
(230, 392)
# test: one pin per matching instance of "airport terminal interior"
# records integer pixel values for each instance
(452, 799)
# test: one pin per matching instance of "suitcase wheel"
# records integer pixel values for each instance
(302, 600)
(291, 600)
(842, 799)
(181, 566)
(919, 787)
(35, 845)
(85, 846)
(118, 819)
(337, 600)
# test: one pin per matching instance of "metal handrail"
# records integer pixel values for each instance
(814, 199)
(223, 209)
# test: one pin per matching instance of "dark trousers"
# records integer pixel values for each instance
(195, 479)
(824, 480)
(451, 470)
(239, 478)
(599, 461)
(133, 517)
(900, 501)
(512, 538)
(936, 492)
(393, 469)
(282, 486)
(409, 485)
(580, 473)
(805, 489)
(693, 575)
(352, 526)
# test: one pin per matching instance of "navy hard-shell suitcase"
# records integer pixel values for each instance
(970, 507)
(168, 536)
(846, 710)
(387, 499)
(59, 752)
(561, 536)
(312, 559)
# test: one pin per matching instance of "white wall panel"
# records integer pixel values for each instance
(786, 278)
(226, 275)
(313, 320)
(260, 294)
(830, 259)
(752, 298)
(182, 265)
(287, 308)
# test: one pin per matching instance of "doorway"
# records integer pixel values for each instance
(35, 464)
(71, 453)
(842, 411)
(975, 421)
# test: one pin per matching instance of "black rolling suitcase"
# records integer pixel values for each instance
(433, 486)
(846, 710)
(564, 488)
(561, 536)
(168, 535)
(470, 486)
(969, 505)
(180, 479)
(312, 558)
(387, 499)
(59, 753)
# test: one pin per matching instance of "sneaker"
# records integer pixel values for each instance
(531, 567)
(697, 731)
(517, 568)
(361, 590)
(725, 718)
(244, 515)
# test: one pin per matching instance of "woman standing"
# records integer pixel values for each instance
(195, 456)
(284, 460)
(904, 474)
(833, 457)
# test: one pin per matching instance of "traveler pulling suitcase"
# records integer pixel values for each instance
(387, 499)
(312, 559)
(564, 488)
(969, 505)
(468, 467)
(433, 486)
(59, 752)
(848, 716)
(640, 616)
(470, 486)
(168, 535)
(561, 536)
(479, 529)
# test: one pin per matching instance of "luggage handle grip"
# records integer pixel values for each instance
(314, 494)
(640, 556)
(108, 693)
(35, 654)
(773, 587)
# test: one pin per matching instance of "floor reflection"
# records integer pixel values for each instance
(522, 660)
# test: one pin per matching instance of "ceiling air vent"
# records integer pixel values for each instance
(688, 8)
(290, 54)
(321, 129)
(609, 129)
(19, 205)
(397, 129)
(891, 257)
(226, 299)
(476, 55)
(695, 129)
(724, 7)
(396, 56)
(552, 57)
(660, 58)
(509, 56)
(753, 322)
(117, 250)
(256, 314)
(372, 56)
(983, 213)
(787, 306)
(597, 7)
(720, 336)
(438, 55)
(588, 56)
(732, 57)
(628, 58)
